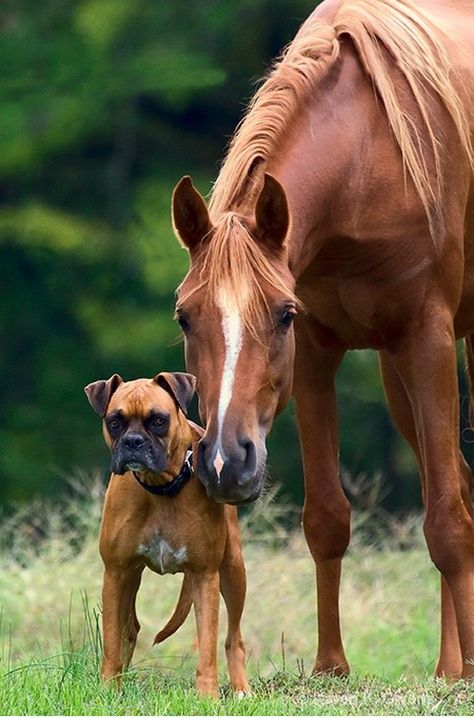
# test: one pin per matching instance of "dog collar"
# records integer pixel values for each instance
(173, 487)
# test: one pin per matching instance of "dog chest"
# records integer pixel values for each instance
(162, 557)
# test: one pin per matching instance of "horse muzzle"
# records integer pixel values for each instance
(231, 477)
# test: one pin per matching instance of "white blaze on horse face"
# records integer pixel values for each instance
(218, 463)
(232, 331)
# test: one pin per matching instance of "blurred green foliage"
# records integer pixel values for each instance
(105, 104)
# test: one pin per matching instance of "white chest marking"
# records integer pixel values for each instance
(164, 558)
(232, 331)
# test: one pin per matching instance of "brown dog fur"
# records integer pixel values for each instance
(188, 532)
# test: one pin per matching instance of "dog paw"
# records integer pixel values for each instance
(240, 694)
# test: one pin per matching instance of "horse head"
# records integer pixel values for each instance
(236, 308)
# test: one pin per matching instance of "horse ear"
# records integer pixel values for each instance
(180, 385)
(189, 212)
(271, 213)
(100, 392)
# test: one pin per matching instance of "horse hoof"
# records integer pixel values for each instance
(331, 668)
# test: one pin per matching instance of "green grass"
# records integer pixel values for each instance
(50, 617)
(53, 687)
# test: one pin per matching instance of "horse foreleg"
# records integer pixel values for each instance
(426, 365)
(450, 660)
(326, 512)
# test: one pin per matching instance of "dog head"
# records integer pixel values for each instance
(144, 421)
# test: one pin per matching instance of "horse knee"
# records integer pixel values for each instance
(449, 534)
(327, 528)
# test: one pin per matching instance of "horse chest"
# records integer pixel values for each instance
(364, 310)
(335, 321)
(161, 556)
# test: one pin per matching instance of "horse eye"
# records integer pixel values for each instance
(286, 318)
(183, 322)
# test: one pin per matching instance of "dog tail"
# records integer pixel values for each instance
(185, 601)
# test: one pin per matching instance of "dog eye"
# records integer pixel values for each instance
(114, 425)
(158, 423)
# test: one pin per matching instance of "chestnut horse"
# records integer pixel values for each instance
(345, 204)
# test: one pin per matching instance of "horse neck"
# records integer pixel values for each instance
(324, 153)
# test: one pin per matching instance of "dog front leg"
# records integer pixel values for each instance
(119, 619)
(233, 587)
(206, 607)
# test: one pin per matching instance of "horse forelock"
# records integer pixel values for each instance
(235, 274)
(273, 106)
(384, 32)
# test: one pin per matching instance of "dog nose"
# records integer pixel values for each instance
(133, 441)
(232, 477)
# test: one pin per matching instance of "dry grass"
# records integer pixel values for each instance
(50, 638)
(50, 566)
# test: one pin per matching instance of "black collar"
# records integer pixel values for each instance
(173, 487)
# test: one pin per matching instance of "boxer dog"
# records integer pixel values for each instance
(157, 514)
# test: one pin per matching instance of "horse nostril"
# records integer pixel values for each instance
(250, 457)
(134, 441)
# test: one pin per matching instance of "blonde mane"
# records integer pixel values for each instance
(301, 66)
(385, 33)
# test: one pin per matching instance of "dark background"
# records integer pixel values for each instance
(105, 104)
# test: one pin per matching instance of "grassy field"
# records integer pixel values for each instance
(50, 616)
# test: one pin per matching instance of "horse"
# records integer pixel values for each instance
(343, 218)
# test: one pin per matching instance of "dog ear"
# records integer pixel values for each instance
(99, 393)
(180, 385)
